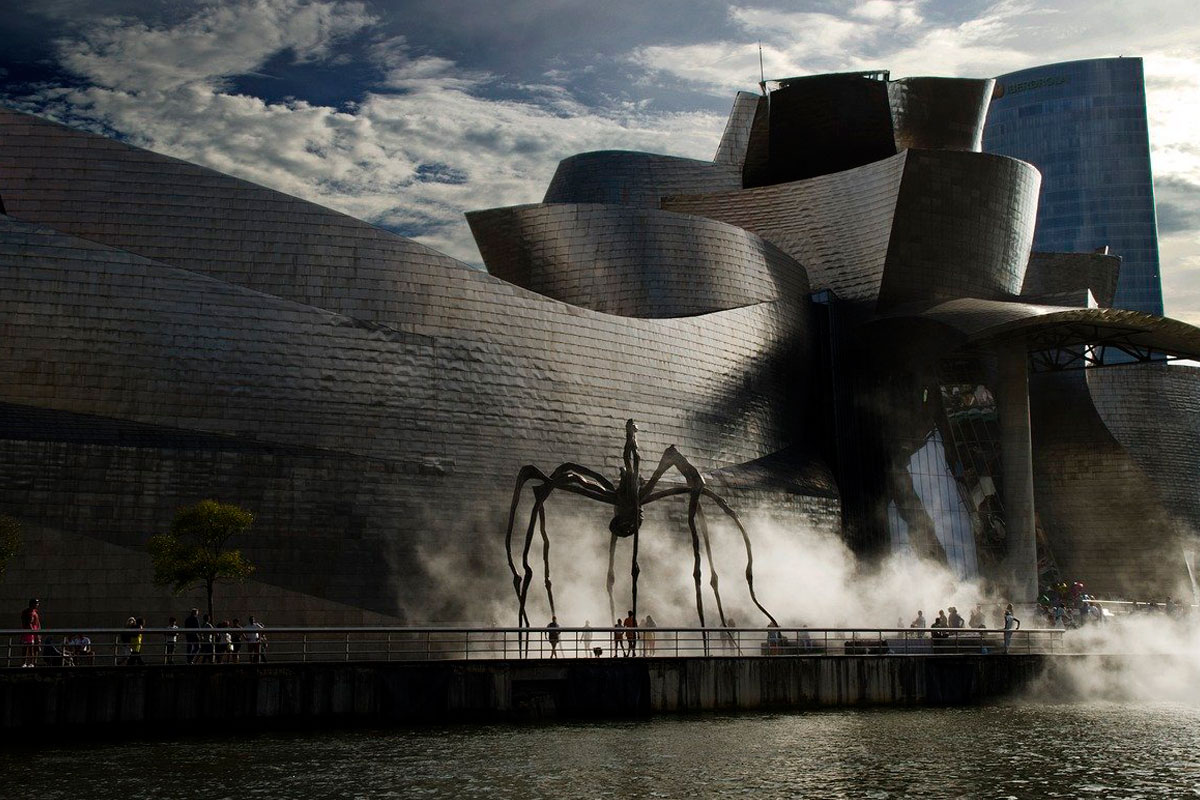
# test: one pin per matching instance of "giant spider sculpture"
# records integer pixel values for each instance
(628, 497)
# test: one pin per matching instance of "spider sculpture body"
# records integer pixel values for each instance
(628, 496)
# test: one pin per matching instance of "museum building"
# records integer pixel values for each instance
(841, 321)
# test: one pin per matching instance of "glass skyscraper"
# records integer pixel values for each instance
(1083, 124)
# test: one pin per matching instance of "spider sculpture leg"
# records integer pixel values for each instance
(612, 553)
(568, 477)
(540, 493)
(526, 474)
(713, 580)
(696, 489)
(749, 552)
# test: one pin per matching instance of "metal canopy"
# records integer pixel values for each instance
(1056, 338)
(1085, 346)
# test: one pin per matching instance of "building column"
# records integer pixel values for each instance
(1019, 572)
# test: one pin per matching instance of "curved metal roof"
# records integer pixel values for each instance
(983, 323)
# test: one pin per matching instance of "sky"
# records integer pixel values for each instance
(408, 113)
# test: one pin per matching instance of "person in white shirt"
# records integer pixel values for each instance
(256, 640)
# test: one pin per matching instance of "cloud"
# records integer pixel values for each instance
(425, 144)
(427, 139)
(1178, 203)
(218, 41)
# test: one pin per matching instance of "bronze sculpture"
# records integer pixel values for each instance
(627, 497)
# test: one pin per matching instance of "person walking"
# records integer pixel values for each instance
(552, 636)
(191, 626)
(31, 621)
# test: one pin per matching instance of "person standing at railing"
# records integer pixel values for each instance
(631, 633)
(255, 640)
(586, 637)
(125, 640)
(192, 636)
(207, 645)
(31, 620)
(976, 620)
(236, 636)
(1011, 623)
(648, 635)
(919, 622)
(170, 640)
(618, 638)
(939, 627)
(135, 643)
(955, 620)
(552, 636)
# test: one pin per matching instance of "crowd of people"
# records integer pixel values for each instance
(225, 642)
(944, 624)
(626, 634)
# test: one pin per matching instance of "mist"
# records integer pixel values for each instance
(802, 576)
(1135, 657)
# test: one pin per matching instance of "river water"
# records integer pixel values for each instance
(1102, 750)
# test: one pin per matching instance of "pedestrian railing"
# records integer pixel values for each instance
(115, 646)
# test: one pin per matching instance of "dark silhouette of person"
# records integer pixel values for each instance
(552, 634)
(191, 635)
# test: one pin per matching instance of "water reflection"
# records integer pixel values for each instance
(1019, 751)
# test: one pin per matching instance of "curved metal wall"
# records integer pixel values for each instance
(622, 177)
(922, 225)
(1153, 410)
(631, 261)
(836, 226)
(1104, 515)
(1050, 274)
(963, 227)
(201, 220)
(939, 113)
(430, 411)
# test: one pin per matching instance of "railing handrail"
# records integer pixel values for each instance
(534, 629)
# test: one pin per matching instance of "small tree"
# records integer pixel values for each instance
(194, 552)
(10, 540)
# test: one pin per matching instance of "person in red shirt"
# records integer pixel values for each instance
(31, 620)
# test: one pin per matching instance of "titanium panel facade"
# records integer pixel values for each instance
(171, 333)
(1083, 125)
(939, 113)
(634, 262)
(623, 177)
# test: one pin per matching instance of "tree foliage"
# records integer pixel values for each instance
(196, 550)
(10, 540)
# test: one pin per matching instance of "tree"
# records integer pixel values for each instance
(194, 553)
(10, 540)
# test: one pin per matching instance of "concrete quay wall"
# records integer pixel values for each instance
(181, 698)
